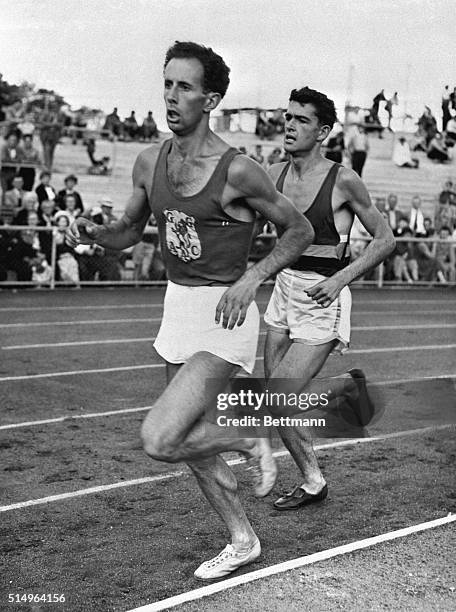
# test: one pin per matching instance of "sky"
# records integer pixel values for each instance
(110, 53)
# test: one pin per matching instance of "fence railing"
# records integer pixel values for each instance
(37, 256)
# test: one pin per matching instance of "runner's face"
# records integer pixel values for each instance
(302, 128)
(184, 96)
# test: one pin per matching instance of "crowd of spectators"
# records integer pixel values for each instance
(421, 258)
(129, 129)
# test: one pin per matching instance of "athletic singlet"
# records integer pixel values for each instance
(321, 256)
(201, 244)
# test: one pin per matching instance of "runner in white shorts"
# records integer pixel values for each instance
(205, 196)
(308, 315)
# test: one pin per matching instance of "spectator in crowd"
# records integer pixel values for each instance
(447, 192)
(258, 154)
(14, 116)
(402, 156)
(12, 201)
(427, 126)
(70, 183)
(380, 97)
(405, 266)
(41, 270)
(445, 214)
(11, 154)
(437, 149)
(429, 230)
(69, 206)
(145, 252)
(275, 156)
(393, 101)
(29, 203)
(416, 217)
(393, 215)
(44, 189)
(24, 249)
(335, 145)
(67, 265)
(99, 166)
(113, 124)
(95, 260)
(428, 268)
(46, 212)
(131, 128)
(51, 126)
(444, 253)
(450, 132)
(446, 115)
(30, 156)
(358, 148)
(27, 126)
(149, 128)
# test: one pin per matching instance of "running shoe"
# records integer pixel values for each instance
(262, 467)
(227, 561)
(298, 497)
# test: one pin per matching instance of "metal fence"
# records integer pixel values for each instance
(35, 256)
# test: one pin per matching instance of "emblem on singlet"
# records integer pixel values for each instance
(181, 236)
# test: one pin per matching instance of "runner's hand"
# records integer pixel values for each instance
(233, 305)
(81, 231)
(326, 291)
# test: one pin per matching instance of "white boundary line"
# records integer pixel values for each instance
(92, 415)
(262, 333)
(156, 319)
(393, 349)
(211, 589)
(148, 479)
(160, 305)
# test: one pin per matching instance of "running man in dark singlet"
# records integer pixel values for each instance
(205, 197)
(308, 315)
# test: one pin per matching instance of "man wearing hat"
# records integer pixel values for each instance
(106, 205)
(70, 182)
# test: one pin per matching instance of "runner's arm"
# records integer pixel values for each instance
(251, 182)
(123, 233)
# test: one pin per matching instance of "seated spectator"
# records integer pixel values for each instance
(429, 231)
(70, 183)
(405, 266)
(67, 265)
(11, 154)
(450, 132)
(445, 255)
(445, 215)
(99, 166)
(44, 190)
(437, 149)
(12, 200)
(41, 270)
(428, 267)
(95, 261)
(402, 156)
(446, 193)
(416, 217)
(29, 204)
(275, 157)
(24, 249)
(30, 156)
(69, 207)
(393, 215)
(258, 154)
(46, 212)
(131, 127)
(26, 126)
(113, 124)
(149, 128)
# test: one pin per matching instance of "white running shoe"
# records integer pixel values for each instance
(227, 561)
(263, 467)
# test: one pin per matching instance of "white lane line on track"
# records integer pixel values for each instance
(160, 305)
(89, 322)
(279, 568)
(78, 308)
(93, 415)
(157, 319)
(149, 479)
(393, 349)
(13, 347)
